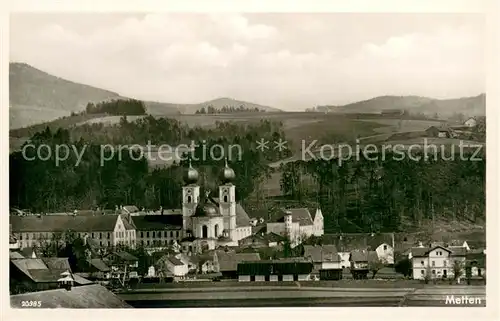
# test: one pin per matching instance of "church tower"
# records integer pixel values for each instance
(190, 198)
(227, 201)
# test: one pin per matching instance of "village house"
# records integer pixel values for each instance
(175, 266)
(360, 263)
(326, 260)
(437, 260)
(471, 122)
(228, 262)
(297, 224)
(381, 243)
(476, 264)
(261, 239)
(29, 275)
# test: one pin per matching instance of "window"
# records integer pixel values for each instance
(147, 234)
(20, 236)
(109, 235)
(422, 272)
(92, 234)
(225, 198)
(433, 263)
(165, 233)
(27, 236)
(189, 199)
(100, 243)
(153, 234)
(445, 263)
(100, 236)
(148, 242)
(422, 262)
(171, 233)
(385, 247)
(142, 234)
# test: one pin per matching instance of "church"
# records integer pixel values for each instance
(209, 222)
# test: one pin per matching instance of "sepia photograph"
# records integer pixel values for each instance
(255, 159)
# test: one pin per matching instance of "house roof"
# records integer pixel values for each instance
(363, 256)
(63, 223)
(99, 264)
(57, 263)
(347, 242)
(43, 270)
(157, 222)
(175, 261)
(87, 296)
(299, 215)
(130, 209)
(423, 251)
(15, 255)
(273, 237)
(126, 256)
(80, 280)
(322, 253)
(228, 261)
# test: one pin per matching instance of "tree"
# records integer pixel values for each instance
(404, 266)
(375, 265)
(458, 269)
(428, 274)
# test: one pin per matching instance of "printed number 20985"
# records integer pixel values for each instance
(31, 304)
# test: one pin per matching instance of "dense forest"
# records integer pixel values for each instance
(117, 107)
(228, 110)
(125, 180)
(367, 195)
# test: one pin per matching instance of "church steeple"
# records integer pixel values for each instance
(227, 174)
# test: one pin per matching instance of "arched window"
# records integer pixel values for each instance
(216, 230)
(189, 199)
(204, 231)
(225, 198)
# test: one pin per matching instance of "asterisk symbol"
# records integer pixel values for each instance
(262, 144)
(280, 145)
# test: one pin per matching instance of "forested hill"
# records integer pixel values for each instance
(359, 196)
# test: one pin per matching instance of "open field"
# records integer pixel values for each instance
(402, 125)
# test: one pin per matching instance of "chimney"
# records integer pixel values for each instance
(420, 244)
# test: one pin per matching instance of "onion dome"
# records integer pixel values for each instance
(191, 175)
(207, 208)
(227, 174)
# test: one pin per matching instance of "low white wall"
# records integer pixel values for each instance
(260, 278)
(287, 277)
(303, 277)
(244, 278)
(273, 278)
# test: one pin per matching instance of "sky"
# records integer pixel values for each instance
(290, 61)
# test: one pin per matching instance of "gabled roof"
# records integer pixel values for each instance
(57, 263)
(130, 209)
(15, 255)
(347, 242)
(363, 256)
(228, 261)
(299, 215)
(43, 270)
(424, 251)
(273, 237)
(175, 261)
(321, 253)
(99, 265)
(157, 222)
(87, 296)
(63, 223)
(126, 256)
